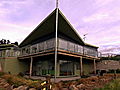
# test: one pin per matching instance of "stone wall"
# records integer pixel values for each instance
(108, 65)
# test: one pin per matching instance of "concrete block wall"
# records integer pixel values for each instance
(108, 64)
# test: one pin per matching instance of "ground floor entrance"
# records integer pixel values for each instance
(66, 66)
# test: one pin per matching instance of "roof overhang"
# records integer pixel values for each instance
(47, 26)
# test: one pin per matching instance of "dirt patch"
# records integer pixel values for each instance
(4, 85)
(10, 82)
(83, 84)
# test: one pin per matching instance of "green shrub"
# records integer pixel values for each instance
(114, 85)
(1, 74)
(2, 89)
(21, 74)
(18, 81)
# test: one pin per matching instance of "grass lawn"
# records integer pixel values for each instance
(114, 85)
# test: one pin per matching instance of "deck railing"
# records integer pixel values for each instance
(39, 47)
(72, 47)
(62, 44)
(50, 45)
(109, 56)
(9, 53)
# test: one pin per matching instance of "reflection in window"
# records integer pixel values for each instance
(80, 49)
(66, 68)
(63, 44)
(71, 46)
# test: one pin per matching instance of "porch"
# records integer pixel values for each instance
(69, 64)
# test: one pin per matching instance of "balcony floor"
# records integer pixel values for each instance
(61, 52)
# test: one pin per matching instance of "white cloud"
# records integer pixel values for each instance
(102, 2)
(105, 14)
(99, 18)
(96, 17)
(14, 32)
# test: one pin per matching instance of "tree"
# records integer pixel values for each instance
(16, 43)
(8, 41)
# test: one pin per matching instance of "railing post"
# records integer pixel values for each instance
(30, 49)
(37, 47)
(83, 50)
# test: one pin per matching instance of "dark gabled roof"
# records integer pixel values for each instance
(47, 26)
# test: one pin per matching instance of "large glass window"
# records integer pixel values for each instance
(28, 50)
(34, 48)
(63, 44)
(50, 43)
(41, 46)
(43, 67)
(71, 46)
(66, 68)
(90, 51)
(80, 49)
(67, 45)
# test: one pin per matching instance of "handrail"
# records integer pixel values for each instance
(109, 56)
(63, 44)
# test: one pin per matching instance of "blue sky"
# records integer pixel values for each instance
(99, 19)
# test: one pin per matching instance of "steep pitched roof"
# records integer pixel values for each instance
(47, 26)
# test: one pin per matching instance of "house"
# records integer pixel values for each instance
(66, 54)
(8, 59)
(108, 65)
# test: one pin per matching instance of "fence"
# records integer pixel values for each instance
(109, 56)
(9, 53)
(62, 44)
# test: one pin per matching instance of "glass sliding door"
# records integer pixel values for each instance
(66, 68)
(44, 67)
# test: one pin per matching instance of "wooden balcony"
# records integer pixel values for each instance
(64, 47)
(9, 53)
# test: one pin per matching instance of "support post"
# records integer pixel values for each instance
(94, 67)
(81, 66)
(31, 63)
(30, 49)
(37, 47)
(56, 44)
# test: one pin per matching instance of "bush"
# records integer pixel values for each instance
(114, 85)
(1, 74)
(18, 81)
(21, 74)
(2, 89)
(85, 76)
(118, 71)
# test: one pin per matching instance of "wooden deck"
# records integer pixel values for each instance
(62, 52)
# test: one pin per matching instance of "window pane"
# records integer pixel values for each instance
(50, 43)
(71, 46)
(80, 49)
(76, 48)
(41, 46)
(63, 44)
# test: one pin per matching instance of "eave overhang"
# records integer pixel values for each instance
(47, 26)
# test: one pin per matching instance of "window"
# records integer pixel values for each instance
(63, 44)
